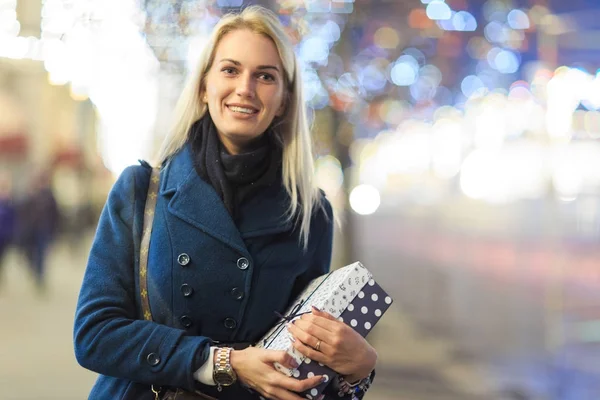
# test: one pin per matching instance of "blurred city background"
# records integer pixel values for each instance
(458, 140)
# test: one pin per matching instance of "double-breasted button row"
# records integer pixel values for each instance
(230, 323)
(153, 359)
(187, 290)
(183, 259)
(243, 263)
(186, 321)
(237, 293)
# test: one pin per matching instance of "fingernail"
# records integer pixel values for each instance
(324, 378)
(315, 308)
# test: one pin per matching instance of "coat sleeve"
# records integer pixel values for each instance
(108, 338)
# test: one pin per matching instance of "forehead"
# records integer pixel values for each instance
(247, 47)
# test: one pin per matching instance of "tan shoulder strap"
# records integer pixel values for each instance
(145, 245)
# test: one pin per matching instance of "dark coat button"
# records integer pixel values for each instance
(243, 263)
(153, 359)
(183, 259)
(230, 323)
(237, 293)
(187, 290)
(185, 321)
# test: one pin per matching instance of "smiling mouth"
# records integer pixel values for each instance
(243, 110)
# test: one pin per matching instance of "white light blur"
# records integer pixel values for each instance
(517, 19)
(495, 32)
(464, 21)
(576, 169)
(330, 31)
(490, 121)
(314, 49)
(438, 10)
(565, 91)
(409, 152)
(329, 175)
(433, 72)
(478, 174)
(405, 71)
(446, 148)
(196, 45)
(423, 89)
(371, 78)
(364, 199)
(506, 62)
(504, 175)
(591, 95)
(472, 85)
(230, 3)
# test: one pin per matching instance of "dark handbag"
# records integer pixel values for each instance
(169, 394)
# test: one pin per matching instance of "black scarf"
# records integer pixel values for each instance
(234, 177)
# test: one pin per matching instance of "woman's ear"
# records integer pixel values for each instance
(203, 97)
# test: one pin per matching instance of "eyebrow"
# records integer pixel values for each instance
(239, 64)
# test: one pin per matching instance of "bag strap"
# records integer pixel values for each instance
(145, 244)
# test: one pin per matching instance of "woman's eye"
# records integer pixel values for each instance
(229, 70)
(267, 77)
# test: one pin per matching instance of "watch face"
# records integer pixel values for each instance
(224, 378)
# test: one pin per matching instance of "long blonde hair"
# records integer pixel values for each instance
(293, 130)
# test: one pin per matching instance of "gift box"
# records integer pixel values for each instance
(349, 294)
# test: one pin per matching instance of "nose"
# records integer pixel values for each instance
(246, 87)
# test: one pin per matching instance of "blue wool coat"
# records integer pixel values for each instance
(208, 279)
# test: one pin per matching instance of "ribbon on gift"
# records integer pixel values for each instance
(285, 319)
(294, 313)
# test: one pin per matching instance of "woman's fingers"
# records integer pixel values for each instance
(279, 356)
(317, 332)
(315, 343)
(323, 314)
(282, 387)
(311, 353)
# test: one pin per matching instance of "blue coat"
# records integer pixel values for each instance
(208, 279)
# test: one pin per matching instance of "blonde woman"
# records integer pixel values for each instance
(239, 229)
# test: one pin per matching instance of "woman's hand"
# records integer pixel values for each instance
(254, 368)
(322, 338)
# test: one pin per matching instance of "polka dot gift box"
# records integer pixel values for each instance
(349, 294)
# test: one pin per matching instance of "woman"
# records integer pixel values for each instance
(239, 230)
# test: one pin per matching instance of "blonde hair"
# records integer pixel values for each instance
(292, 131)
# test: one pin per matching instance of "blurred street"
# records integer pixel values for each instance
(38, 360)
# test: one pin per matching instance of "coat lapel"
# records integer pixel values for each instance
(196, 202)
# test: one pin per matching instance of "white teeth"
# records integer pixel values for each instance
(241, 110)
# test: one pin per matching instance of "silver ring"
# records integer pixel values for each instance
(318, 346)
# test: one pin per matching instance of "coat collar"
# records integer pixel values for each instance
(196, 202)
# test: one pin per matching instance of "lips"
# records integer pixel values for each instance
(242, 109)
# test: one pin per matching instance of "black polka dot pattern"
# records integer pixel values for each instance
(362, 314)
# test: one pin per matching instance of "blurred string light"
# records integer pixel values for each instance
(364, 199)
(386, 38)
(472, 85)
(504, 61)
(518, 19)
(95, 46)
(461, 21)
(329, 175)
(438, 10)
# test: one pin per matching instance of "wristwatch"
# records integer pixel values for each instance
(223, 374)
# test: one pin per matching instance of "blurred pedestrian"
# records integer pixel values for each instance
(7, 217)
(38, 221)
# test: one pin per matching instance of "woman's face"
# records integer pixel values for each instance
(244, 88)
